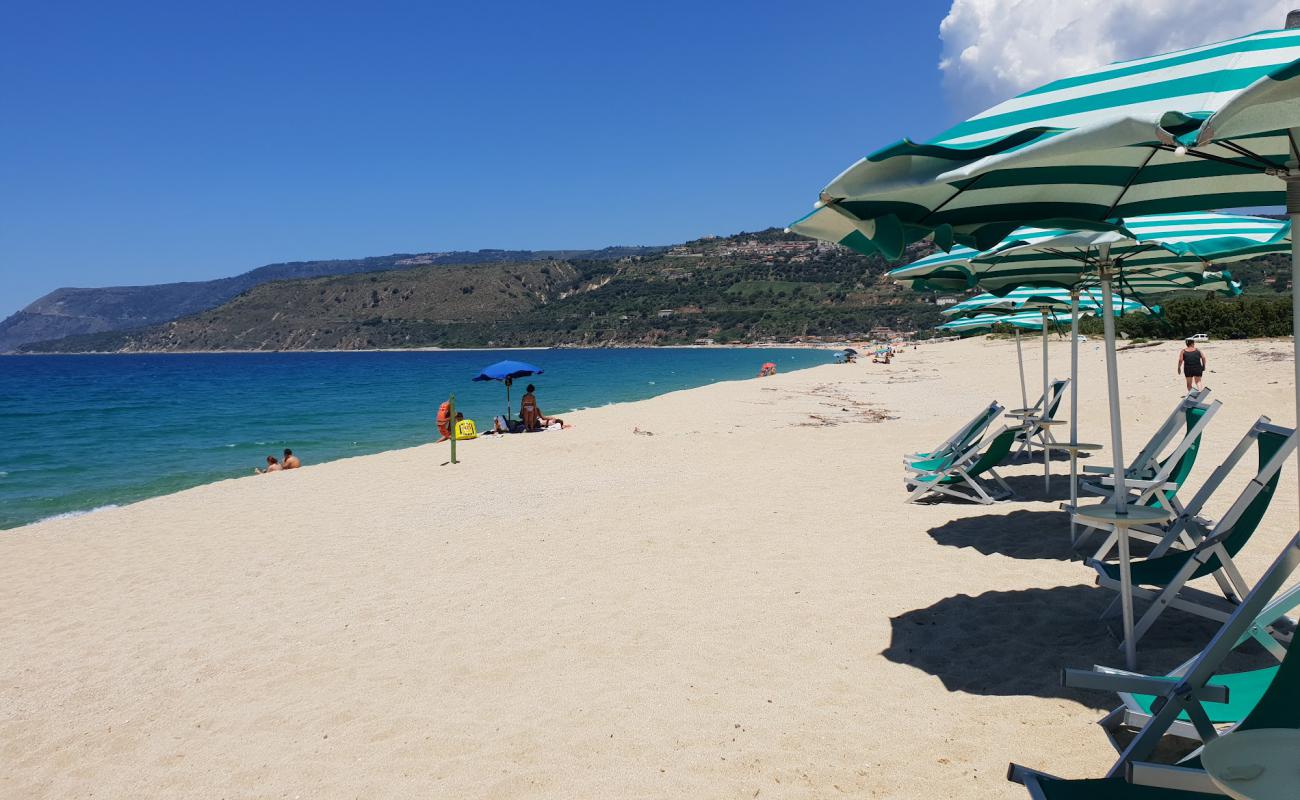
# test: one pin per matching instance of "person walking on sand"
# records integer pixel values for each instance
(1191, 363)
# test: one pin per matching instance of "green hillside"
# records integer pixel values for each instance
(745, 287)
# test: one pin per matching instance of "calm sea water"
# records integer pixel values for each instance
(84, 432)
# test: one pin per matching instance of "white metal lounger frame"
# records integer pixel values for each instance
(1033, 430)
(1186, 695)
(1228, 576)
(969, 431)
(1264, 630)
(1145, 462)
(1146, 488)
(958, 467)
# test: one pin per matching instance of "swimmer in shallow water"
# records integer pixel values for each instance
(271, 466)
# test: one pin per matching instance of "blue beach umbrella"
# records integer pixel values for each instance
(507, 371)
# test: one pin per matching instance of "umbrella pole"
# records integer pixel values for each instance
(1074, 407)
(1043, 432)
(1020, 360)
(1293, 212)
(1117, 452)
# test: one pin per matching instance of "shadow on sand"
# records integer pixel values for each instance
(1017, 642)
(1020, 534)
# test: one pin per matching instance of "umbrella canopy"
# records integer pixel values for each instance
(1152, 254)
(1191, 130)
(1036, 297)
(502, 370)
(1025, 320)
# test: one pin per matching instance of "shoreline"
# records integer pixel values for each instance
(567, 412)
(747, 346)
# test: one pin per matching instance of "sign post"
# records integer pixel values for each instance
(451, 413)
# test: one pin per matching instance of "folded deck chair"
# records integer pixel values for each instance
(961, 440)
(1042, 433)
(958, 475)
(1146, 462)
(1171, 570)
(1160, 489)
(1245, 689)
(1188, 698)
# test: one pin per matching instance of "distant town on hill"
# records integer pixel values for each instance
(767, 286)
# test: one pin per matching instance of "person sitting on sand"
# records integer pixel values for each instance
(290, 460)
(768, 370)
(271, 466)
(531, 413)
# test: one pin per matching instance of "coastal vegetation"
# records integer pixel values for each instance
(749, 287)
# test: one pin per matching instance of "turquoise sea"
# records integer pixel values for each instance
(85, 432)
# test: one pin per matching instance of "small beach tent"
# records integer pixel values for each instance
(507, 371)
(1192, 130)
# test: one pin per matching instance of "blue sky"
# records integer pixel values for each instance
(151, 142)
(156, 142)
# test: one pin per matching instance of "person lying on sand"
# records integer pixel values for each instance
(271, 466)
(290, 460)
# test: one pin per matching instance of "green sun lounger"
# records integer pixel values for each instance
(1168, 571)
(1160, 489)
(1196, 698)
(1042, 433)
(958, 475)
(961, 440)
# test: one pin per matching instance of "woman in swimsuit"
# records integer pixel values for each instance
(1191, 363)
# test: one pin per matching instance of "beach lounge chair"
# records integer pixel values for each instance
(1170, 571)
(962, 439)
(1187, 701)
(958, 474)
(1160, 489)
(1147, 461)
(1245, 689)
(1034, 434)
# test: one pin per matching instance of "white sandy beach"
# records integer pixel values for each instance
(740, 605)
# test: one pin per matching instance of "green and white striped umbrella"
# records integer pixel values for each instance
(1151, 255)
(1025, 320)
(1036, 297)
(1191, 130)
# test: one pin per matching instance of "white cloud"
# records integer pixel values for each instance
(994, 49)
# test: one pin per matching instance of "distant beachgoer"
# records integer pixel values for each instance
(290, 460)
(1192, 363)
(531, 413)
(444, 421)
(271, 466)
(767, 370)
(465, 428)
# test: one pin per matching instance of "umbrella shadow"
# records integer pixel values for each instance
(1015, 643)
(1030, 457)
(1029, 488)
(1020, 534)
